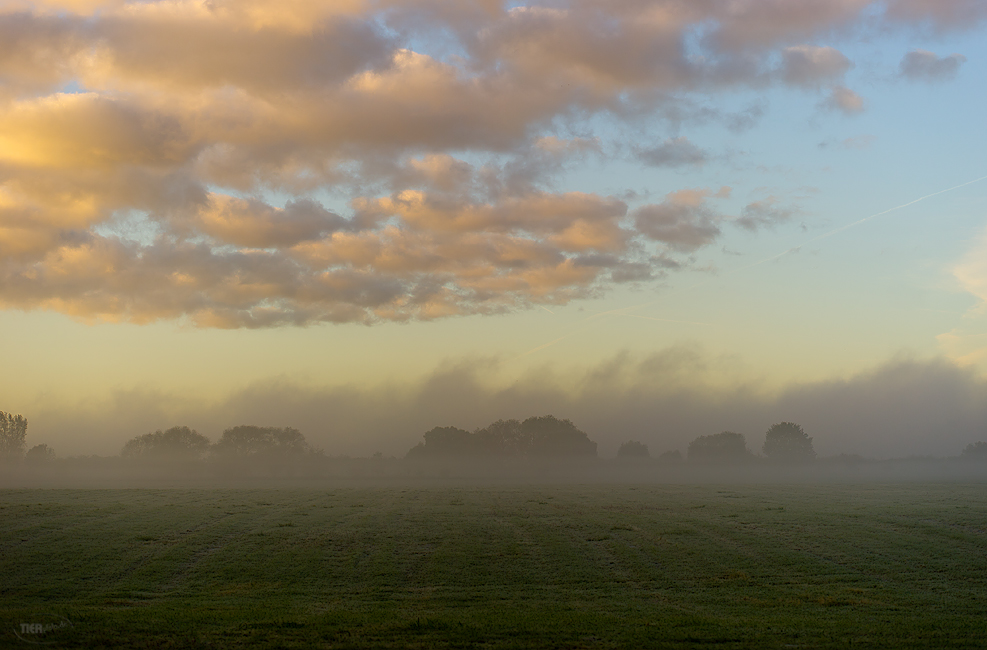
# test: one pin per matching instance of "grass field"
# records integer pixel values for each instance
(874, 565)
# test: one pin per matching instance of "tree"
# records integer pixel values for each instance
(39, 454)
(673, 456)
(788, 442)
(548, 436)
(975, 451)
(248, 449)
(246, 441)
(502, 438)
(543, 436)
(177, 443)
(13, 430)
(719, 447)
(633, 449)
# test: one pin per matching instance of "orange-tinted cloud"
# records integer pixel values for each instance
(844, 100)
(684, 221)
(174, 158)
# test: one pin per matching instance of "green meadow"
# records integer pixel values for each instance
(594, 566)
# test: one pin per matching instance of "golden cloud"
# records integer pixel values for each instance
(174, 158)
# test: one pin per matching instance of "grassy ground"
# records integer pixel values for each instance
(893, 566)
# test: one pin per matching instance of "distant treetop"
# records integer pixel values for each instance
(177, 443)
(788, 442)
(975, 450)
(39, 454)
(633, 449)
(544, 436)
(247, 440)
(719, 447)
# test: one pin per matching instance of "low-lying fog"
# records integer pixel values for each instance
(900, 409)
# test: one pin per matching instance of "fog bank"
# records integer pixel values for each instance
(905, 407)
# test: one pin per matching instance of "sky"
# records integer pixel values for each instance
(366, 218)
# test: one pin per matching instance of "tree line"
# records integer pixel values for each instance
(543, 436)
(237, 443)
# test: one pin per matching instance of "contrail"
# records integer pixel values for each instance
(622, 310)
(855, 224)
(546, 345)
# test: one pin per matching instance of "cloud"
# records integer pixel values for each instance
(971, 272)
(922, 65)
(766, 213)
(807, 65)
(684, 221)
(745, 119)
(255, 224)
(665, 399)
(941, 14)
(673, 152)
(177, 152)
(844, 100)
(967, 343)
(755, 24)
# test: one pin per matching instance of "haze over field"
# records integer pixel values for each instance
(364, 219)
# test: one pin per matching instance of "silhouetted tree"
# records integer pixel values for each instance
(503, 438)
(633, 449)
(245, 441)
(177, 443)
(274, 450)
(39, 455)
(726, 446)
(544, 436)
(445, 441)
(788, 442)
(975, 451)
(13, 430)
(547, 436)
